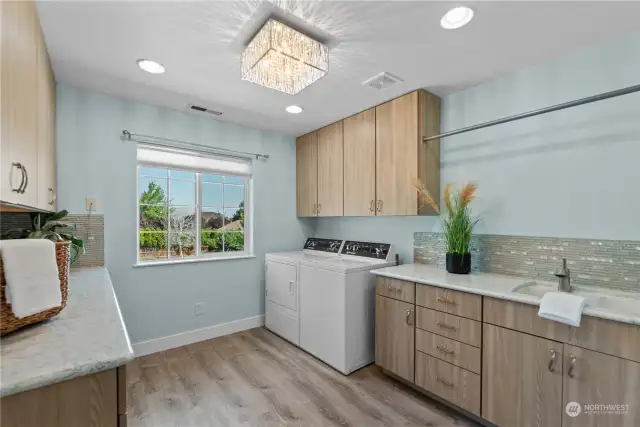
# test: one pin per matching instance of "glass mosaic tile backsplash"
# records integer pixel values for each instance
(608, 263)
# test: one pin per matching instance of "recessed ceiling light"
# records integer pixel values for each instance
(294, 109)
(150, 66)
(456, 18)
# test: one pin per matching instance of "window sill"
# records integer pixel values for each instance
(192, 260)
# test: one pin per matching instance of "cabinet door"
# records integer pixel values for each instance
(594, 378)
(395, 336)
(307, 174)
(330, 170)
(360, 164)
(46, 113)
(397, 156)
(521, 379)
(19, 121)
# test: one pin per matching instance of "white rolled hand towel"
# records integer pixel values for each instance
(31, 275)
(562, 307)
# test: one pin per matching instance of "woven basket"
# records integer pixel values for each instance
(9, 322)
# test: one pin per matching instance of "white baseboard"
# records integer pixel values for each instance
(172, 341)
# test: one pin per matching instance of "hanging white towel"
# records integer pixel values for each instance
(31, 275)
(562, 307)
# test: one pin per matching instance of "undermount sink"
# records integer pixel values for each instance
(627, 302)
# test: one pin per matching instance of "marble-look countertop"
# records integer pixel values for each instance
(88, 336)
(496, 286)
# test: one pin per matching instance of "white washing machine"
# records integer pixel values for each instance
(282, 302)
(334, 318)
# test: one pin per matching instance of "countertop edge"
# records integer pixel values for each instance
(525, 299)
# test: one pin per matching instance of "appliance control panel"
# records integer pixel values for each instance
(366, 249)
(331, 246)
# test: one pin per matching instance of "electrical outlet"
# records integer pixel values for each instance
(92, 204)
(198, 308)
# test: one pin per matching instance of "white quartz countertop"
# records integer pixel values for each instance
(88, 336)
(494, 285)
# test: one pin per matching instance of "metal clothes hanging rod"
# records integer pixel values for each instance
(557, 107)
(174, 143)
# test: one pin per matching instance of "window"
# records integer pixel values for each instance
(192, 207)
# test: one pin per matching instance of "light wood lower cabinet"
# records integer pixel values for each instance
(395, 336)
(454, 384)
(598, 379)
(97, 400)
(533, 372)
(521, 379)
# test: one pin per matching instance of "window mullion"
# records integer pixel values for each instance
(198, 214)
(168, 209)
(224, 219)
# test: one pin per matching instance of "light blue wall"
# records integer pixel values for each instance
(572, 173)
(159, 301)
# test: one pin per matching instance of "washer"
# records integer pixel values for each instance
(282, 308)
(324, 301)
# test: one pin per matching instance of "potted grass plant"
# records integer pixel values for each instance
(457, 222)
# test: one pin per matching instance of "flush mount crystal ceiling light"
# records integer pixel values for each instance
(281, 58)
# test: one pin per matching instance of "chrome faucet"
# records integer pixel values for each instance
(564, 276)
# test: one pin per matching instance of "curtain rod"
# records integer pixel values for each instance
(557, 107)
(171, 143)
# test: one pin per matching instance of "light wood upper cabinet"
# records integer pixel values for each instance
(395, 336)
(401, 156)
(367, 162)
(46, 85)
(594, 378)
(27, 131)
(330, 170)
(521, 379)
(307, 174)
(360, 164)
(19, 97)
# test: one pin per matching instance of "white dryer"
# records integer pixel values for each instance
(334, 298)
(282, 305)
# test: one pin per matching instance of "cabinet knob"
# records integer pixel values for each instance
(22, 170)
(53, 197)
(445, 350)
(445, 326)
(319, 207)
(371, 206)
(445, 301)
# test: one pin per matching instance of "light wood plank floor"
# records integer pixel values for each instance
(255, 378)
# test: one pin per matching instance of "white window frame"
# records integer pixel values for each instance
(199, 256)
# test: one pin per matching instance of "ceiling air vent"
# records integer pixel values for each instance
(203, 110)
(382, 81)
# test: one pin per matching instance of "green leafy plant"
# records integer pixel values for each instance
(457, 220)
(53, 227)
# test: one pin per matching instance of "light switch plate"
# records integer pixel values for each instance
(92, 204)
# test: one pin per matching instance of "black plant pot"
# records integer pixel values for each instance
(459, 263)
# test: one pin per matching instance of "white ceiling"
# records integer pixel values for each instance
(95, 45)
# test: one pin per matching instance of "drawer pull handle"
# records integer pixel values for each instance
(445, 350)
(572, 366)
(445, 326)
(408, 317)
(552, 358)
(443, 381)
(446, 301)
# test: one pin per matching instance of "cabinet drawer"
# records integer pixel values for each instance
(448, 325)
(524, 318)
(607, 336)
(454, 384)
(454, 352)
(396, 289)
(454, 302)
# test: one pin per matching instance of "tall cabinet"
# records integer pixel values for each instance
(366, 163)
(27, 88)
